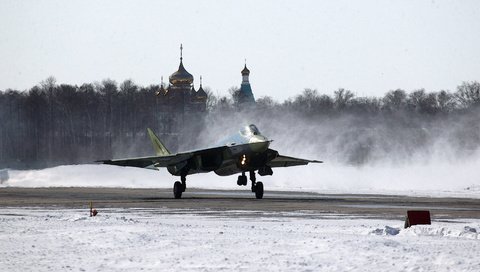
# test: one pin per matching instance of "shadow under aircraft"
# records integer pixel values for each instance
(244, 152)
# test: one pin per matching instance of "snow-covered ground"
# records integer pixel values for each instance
(180, 240)
(433, 179)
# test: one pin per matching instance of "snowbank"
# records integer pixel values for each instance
(163, 240)
(460, 180)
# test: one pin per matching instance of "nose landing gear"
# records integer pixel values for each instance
(257, 187)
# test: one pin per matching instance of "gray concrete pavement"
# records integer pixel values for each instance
(197, 200)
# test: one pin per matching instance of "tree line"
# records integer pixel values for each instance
(398, 128)
(52, 124)
(420, 101)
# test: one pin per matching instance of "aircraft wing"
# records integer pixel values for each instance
(160, 161)
(284, 161)
(145, 162)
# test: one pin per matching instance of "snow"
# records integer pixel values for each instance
(439, 180)
(185, 240)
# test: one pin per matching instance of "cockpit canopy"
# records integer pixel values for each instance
(250, 130)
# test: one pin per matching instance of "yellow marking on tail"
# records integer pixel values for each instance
(160, 149)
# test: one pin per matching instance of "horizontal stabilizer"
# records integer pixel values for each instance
(284, 161)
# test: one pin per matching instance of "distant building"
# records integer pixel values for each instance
(245, 95)
(180, 105)
(181, 108)
(181, 91)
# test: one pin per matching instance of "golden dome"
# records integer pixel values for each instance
(181, 76)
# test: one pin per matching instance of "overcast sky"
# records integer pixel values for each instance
(369, 47)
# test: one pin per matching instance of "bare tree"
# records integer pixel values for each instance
(468, 94)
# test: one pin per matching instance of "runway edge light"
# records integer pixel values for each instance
(93, 212)
(417, 218)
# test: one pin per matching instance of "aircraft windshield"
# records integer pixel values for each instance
(250, 130)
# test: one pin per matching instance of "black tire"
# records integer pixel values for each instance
(259, 190)
(242, 180)
(177, 189)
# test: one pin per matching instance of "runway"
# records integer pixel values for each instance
(277, 203)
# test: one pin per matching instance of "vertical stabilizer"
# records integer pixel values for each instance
(160, 149)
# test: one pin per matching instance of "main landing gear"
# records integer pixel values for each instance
(179, 187)
(257, 187)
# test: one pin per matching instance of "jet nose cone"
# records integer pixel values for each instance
(259, 143)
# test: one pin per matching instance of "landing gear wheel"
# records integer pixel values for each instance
(242, 180)
(259, 190)
(178, 189)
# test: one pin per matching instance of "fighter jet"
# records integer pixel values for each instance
(245, 152)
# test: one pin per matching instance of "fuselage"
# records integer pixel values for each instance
(241, 152)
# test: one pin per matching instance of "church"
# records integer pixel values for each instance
(181, 108)
(245, 94)
(181, 90)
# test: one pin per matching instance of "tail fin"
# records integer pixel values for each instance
(160, 149)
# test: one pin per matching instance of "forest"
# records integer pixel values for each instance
(53, 124)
